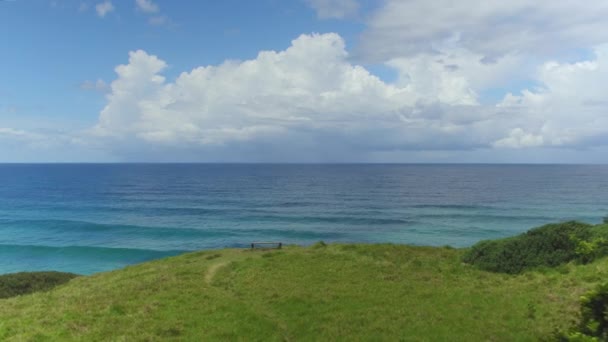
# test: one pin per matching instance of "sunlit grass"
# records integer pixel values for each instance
(334, 292)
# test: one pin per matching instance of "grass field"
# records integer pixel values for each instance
(334, 292)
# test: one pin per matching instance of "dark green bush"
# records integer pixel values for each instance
(594, 313)
(593, 325)
(319, 244)
(16, 284)
(549, 246)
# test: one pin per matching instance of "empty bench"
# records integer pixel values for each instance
(275, 245)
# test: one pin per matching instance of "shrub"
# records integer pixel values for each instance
(588, 251)
(594, 317)
(550, 245)
(594, 313)
(320, 244)
(28, 282)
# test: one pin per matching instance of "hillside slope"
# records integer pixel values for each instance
(334, 292)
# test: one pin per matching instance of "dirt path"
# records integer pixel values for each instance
(212, 270)
(224, 260)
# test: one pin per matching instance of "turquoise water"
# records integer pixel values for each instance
(90, 218)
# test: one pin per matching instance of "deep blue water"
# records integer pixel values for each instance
(90, 218)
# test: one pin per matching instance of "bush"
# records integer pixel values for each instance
(28, 282)
(587, 251)
(320, 244)
(550, 245)
(594, 317)
(594, 313)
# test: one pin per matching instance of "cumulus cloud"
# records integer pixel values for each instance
(309, 85)
(567, 109)
(518, 138)
(493, 29)
(307, 98)
(458, 74)
(311, 102)
(327, 9)
(147, 6)
(314, 101)
(104, 8)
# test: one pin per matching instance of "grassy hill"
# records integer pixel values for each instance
(333, 292)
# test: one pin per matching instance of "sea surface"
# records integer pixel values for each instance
(88, 218)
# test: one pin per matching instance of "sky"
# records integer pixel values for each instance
(387, 81)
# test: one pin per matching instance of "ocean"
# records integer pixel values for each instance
(88, 218)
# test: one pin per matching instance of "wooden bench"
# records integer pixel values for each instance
(275, 245)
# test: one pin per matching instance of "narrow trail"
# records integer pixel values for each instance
(263, 309)
(224, 260)
(212, 270)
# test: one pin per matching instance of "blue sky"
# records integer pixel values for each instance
(55, 46)
(302, 81)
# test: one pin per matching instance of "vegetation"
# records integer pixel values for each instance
(547, 246)
(321, 292)
(594, 317)
(28, 282)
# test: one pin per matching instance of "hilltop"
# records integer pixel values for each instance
(321, 292)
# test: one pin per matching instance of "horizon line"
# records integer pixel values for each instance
(297, 163)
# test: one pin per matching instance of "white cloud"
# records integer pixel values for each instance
(518, 138)
(327, 9)
(492, 29)
(307, 100)
(153, 11)
(313, 101)
(99, 85)
(104, 8)
(457, 73)
(147, 6)
(310, 102)
(568, 109)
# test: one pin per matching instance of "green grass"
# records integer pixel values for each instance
(333, 292)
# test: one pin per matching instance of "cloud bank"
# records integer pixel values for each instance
(309, 102)
(501, 78)
(491, 29)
